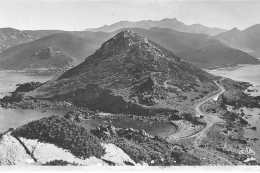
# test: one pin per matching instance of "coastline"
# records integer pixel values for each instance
(194, 131)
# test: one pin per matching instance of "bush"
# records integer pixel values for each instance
(243, 122)
(58, 163)
(193, 119)
(64, 134)
(153, 152)
(175, 117)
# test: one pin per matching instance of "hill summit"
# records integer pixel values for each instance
(130, 74)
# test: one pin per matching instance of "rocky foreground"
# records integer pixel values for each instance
(57, 141)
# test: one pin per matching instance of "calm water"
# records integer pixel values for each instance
(9, 80)
(153, 128)
(12, 118)
(247, 73)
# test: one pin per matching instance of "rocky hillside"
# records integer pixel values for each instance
(10, 37)
(130, 74)
(57, 141)
(247, 40)
(164, 23)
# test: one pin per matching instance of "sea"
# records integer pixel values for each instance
(251, 74)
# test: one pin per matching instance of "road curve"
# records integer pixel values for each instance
(198, 106)
(210, 120)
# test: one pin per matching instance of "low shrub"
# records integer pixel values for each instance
(58, 163)
(65, 134)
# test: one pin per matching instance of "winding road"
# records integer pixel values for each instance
(210, 119)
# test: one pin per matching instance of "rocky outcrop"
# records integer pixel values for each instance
(15, 97)
(45, 53)
(142, 147)
(18, 95)
(109, 132)
(80, 115)
(105, 132)
(28, 86)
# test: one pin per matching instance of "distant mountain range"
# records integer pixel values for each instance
(10, 37)
(199, 49)
(23, 50)
(247, 40)
(71, 48)
(164, 23)
(130, 74)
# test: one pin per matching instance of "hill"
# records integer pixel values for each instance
(53, 51)
(130, 74)
(164, 23)
(247, 40)
(10, 37)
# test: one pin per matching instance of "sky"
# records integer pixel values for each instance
(76, 15)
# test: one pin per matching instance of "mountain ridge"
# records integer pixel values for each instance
(71, 48)
(10, 37)
(164, 23)
(199, 49)
(246, 40)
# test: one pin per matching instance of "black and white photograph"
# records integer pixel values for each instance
(131, 85)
